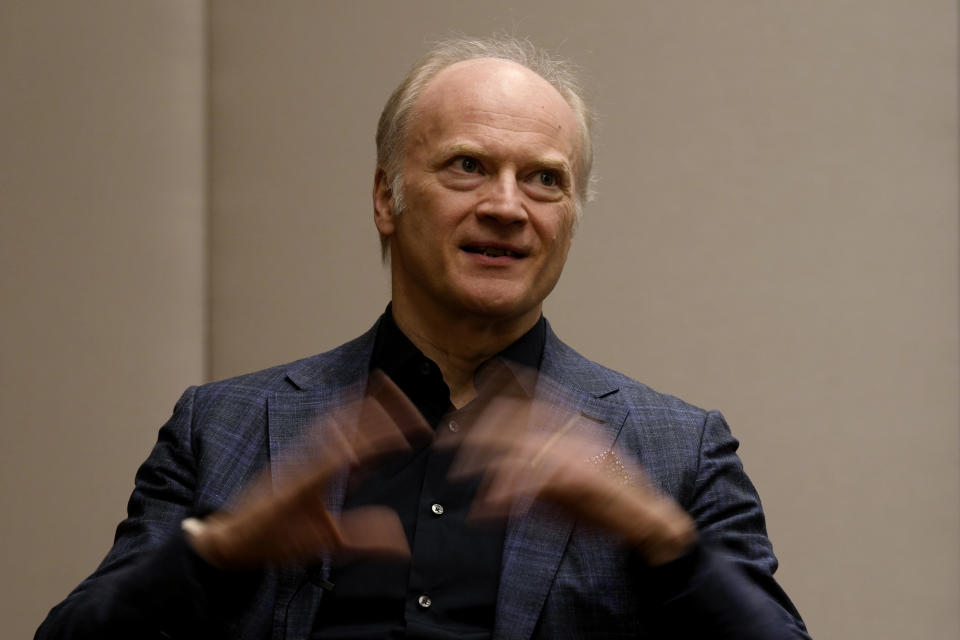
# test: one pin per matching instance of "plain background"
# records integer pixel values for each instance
(184, 189)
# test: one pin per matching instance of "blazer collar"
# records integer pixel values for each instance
(346, 364)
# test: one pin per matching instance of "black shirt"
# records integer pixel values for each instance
(448, 587)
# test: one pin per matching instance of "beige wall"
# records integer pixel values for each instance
(102, 235)
(776, 236)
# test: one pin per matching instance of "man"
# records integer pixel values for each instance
(456, 472)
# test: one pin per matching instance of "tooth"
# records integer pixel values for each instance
(496, 253)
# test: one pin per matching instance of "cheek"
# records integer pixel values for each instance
(442, 206)
(561, 247)
(557, 230)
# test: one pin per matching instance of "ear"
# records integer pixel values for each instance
(382, 204)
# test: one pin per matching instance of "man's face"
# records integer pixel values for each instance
(489, 194)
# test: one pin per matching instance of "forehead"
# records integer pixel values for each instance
(488, 96)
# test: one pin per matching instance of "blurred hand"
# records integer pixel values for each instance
(530, 449)
(287, 521)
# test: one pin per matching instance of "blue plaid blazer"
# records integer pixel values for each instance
(558, 579)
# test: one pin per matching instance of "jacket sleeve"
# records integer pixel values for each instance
(151, 584)
(724, 587)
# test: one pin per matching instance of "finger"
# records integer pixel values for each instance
(376, 434)
(296, 540)
(387, 421)
(495, 431)
(505, 487)
(542, 464)
(379, 422)
(373, 531)
(326, 450)
(395, 404)
(506, 407)
(508, 430)
(501, 377)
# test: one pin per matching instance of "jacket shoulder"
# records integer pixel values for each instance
(570, 368)
(340, 365)
(237, 406)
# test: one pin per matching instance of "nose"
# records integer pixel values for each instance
(502, 200)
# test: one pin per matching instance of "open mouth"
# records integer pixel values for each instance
(493, 252)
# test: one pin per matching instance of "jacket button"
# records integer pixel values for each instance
(437, 509)
(424, 601)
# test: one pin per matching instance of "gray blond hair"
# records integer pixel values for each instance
(395, 118)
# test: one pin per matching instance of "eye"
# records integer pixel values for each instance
(548, 179)
(467, 164)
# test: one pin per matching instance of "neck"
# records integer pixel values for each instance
(459, 344)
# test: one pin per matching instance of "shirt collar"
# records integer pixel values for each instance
(393, 350)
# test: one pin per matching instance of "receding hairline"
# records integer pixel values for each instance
(491, 61)
(558, 72)
(527, 74)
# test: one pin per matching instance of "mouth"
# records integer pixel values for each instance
(491, 251)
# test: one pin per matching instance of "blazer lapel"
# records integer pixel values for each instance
(537, 533)
(294, 430)
(322, 383)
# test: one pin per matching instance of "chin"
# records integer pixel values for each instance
(497, 307)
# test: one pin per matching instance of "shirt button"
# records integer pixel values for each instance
(437, 509)
(453, 426)
(425, 368)
(424, 601)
